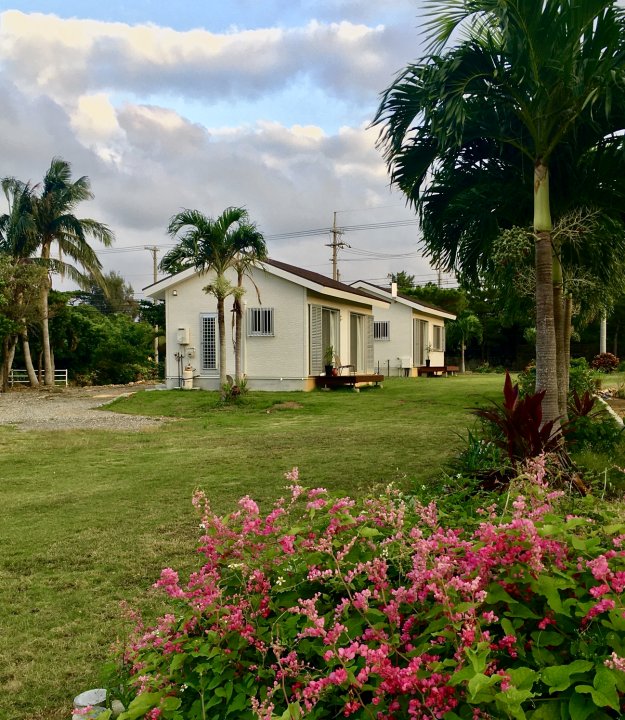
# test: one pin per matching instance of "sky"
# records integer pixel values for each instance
(205, 104)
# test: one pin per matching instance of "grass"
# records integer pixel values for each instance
(90, 517)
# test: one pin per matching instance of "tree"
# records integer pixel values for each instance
(460, 331)
(20, 285)
(534, 79)
(405, 282)
(112, 295)
(206, 244)
(17, 244)
(51, 219)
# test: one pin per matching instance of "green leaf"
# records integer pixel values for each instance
(177, 662)
(369, 532)
(558, 677)
(140, 705)
(293, 712)
(580, 707)
(599, 698)
(549, 587)
(523, 677)
(547, 711)
(238, 703)
(171, 703)
(480, 682)
(478, 657)
(605, 683)
(547, 638)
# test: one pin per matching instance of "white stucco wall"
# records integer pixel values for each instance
(275, 362)
(270, 362)
(388, 353)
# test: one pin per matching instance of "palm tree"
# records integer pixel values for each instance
(55, 223)
(218, 245)
(17, 244)
(535, 78)
(466, 327)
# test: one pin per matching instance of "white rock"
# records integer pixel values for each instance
(96, 696)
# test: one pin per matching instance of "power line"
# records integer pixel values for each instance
(292, 235)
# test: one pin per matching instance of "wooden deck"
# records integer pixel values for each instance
(435, 370)
(351, 380)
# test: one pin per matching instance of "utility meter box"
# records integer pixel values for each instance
(183, 336)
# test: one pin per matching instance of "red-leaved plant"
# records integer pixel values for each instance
(519, 422)
(327, 608)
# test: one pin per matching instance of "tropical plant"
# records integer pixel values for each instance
(605, 362)
(533, 80)
(17, 243)
(521, 430)
(460, 331)
(324, 608)
(51, 221)
(228, 242)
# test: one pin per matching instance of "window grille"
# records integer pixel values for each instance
(208, 334)
(260, 321)
(381, 330)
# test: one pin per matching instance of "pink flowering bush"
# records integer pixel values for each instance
(327, 608)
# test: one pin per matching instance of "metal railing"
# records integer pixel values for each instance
(20, 377)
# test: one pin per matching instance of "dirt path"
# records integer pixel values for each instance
(70, 408)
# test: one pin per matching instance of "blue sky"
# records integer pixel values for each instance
(214, 103)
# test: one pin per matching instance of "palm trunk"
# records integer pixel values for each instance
(462, 357)
(45, 327)
(568, 332)
(221, 324)
(28, 361)
(546, 352)
(238, 320)
(560, 330)
(8, 353)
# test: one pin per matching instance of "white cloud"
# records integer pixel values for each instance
(95, 94)
(76, 57)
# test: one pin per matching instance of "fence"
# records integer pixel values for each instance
(20, 377)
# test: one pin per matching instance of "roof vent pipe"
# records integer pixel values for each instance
(394, 290)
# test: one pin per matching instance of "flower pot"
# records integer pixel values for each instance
(328, 370)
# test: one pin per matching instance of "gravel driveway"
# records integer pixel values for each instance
(69, 408)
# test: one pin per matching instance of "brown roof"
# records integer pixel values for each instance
(318, 278)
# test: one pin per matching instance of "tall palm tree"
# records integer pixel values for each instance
(56, 224)
(531, 77)
(218, 245)
(17, 243)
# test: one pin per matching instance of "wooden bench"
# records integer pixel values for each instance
(334, 381)
(434, 370)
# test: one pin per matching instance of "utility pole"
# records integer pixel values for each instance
(154, 250)
(336, 244)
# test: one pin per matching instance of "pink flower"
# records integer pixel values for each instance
(287, 543)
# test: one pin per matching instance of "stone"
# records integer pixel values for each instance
(95, 696)
(117, 708)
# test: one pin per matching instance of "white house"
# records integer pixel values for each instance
(291, 316)
(407, 332)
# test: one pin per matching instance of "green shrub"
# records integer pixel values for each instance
(581, 378)
(329, 608)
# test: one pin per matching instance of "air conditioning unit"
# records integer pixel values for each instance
(183, 336)
(405, 362)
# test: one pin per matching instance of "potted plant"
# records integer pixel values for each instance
(428, 350)
(328, 360)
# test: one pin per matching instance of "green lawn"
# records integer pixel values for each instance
(90, 517)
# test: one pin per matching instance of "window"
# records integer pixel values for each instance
(324, 333)
(381, 330)
(208, 341)
(260, 321)
(421, 329)
(439, 337)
